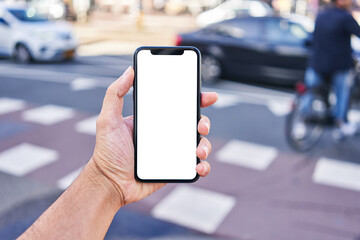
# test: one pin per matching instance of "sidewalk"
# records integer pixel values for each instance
(106, 33)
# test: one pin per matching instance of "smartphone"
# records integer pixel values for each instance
(166, 113)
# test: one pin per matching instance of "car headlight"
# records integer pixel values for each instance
(45, 35)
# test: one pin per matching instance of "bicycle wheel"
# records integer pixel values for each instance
(301, 133)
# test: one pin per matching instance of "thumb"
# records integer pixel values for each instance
(113, 100)
(124, 83)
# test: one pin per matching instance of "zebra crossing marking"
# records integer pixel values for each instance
(194, 207)
(25, 158)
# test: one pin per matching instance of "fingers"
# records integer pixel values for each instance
(204, 125)
(113, 101)
(204, 148)
(203, 168)
(123, 84)
(208, 99)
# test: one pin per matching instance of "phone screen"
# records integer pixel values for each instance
(166, 114)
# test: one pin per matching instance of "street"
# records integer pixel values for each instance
(258, 187)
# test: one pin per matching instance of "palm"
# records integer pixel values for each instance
(118, 143)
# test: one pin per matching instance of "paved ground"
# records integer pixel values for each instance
(115, 34)
(258, 189)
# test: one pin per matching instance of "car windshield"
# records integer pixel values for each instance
(253, 8)
(28, 15)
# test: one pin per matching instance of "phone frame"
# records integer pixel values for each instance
(168, 51)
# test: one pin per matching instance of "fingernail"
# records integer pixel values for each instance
(204, 169)
(207, 126)
(206, 149)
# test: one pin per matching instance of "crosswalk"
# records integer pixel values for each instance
(48, 114)
(24, 158)
(196, 207)
(336, 173)
(87, 126)
(245, 154)
(9, 105)
(278, 106)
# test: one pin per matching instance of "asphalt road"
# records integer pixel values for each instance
(258, 189)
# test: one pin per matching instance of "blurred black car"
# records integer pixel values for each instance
(255, 49)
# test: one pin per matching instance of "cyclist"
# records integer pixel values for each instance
(332, 58)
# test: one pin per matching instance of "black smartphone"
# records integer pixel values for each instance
(166, 113)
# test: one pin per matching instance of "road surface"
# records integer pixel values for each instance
(258, 188)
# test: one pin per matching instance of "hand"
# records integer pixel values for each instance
(113, 156)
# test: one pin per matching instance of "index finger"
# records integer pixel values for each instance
(208, 99)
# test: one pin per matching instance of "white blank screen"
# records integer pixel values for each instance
(166, 116)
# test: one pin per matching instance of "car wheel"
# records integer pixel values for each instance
(22, 54)
(210, 69)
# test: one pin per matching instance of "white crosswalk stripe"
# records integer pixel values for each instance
(226, 100)
(48, 114)
(337, 173)
(25, 158)
(87, 126)
(247, 154)
(82, 83)
(8, 105)
(279, 108)
(196, 208)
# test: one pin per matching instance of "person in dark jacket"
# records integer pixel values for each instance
(332, 58)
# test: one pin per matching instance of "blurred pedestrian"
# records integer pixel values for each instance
(332, 59)
(86, 209)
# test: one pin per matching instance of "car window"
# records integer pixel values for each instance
(241, 29)
(283, 31)
(28, 15)
(251, 8)
(249, 29)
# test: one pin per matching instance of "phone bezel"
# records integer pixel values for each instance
(170, 50)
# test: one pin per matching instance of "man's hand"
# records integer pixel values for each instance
(113, 157)
(86, 209)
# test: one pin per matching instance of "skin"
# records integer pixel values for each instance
(86, 209)
(344, 4)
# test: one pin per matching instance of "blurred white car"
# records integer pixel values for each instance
(232, 9)
(27, 36)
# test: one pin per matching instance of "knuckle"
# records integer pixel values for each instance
(111, 90)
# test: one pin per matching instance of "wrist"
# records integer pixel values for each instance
(104, 185)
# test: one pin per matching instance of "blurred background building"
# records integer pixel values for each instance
(173, 7)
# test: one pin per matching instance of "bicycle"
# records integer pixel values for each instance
(312, 112)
